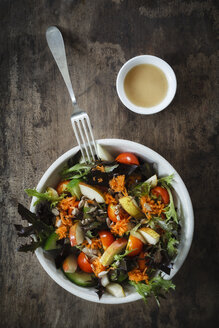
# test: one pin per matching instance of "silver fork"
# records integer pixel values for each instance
(79, 118)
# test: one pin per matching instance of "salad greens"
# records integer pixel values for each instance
(107, 224)
(41, 196)
(156, 287)
(40, 230)
(170, 211)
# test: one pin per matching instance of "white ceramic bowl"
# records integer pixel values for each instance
(183, 202)
(152, 60)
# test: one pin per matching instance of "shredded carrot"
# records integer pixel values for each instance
(65, 207)
(95, 243)
(149, 207)
(68, 204)
(120, 227)
(109, 199)
(65, 220)
(100, 168)
(97, 266)
(136, 275)
(118, 183)
(125, 193)
(62, 231)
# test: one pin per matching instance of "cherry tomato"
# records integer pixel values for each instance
(135, 244)
(62, 186)
(84, 263)
(141, 261)
(162, 192)
(127, 158)
(106, 238)
(115, 210)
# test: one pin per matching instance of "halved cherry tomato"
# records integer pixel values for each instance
(142, 261)
(127, 158)
(106, 238)
(115, 211)
(84, 263)
(162, 192)
(62, 186)
(135, 244)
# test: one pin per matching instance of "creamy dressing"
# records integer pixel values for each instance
(145, 85)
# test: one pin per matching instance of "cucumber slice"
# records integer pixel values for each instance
(82, 279)
(50, 243)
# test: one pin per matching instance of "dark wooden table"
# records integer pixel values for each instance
(35, 129)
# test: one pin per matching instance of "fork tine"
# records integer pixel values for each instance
(88, 139)
(92, 136)
(78, 139)
(82, 137)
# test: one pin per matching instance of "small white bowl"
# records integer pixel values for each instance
(152, 60)
(183, 202)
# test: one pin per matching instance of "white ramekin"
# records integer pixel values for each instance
(152, 60)
(183, 202)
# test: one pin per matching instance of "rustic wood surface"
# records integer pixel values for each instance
(100, 35)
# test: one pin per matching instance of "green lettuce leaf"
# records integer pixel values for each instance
(156, 287)
(171, 246)
(171, 243)
(77, 171)
(119, 257)
(166, 180)
(142, 189)
(170, 211)
(48, 196)
(73, 188)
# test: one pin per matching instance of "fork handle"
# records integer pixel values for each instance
(56, 45)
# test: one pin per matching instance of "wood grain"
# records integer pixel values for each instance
(35, 129)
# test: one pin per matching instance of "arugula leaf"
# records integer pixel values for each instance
(40, 229)
(156, 287)
(50, 197)
(166, 180)
(142, 189)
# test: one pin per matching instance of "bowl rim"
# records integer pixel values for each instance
(114, 143)
(153, 60)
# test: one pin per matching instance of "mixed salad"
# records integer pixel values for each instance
(107, 224)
